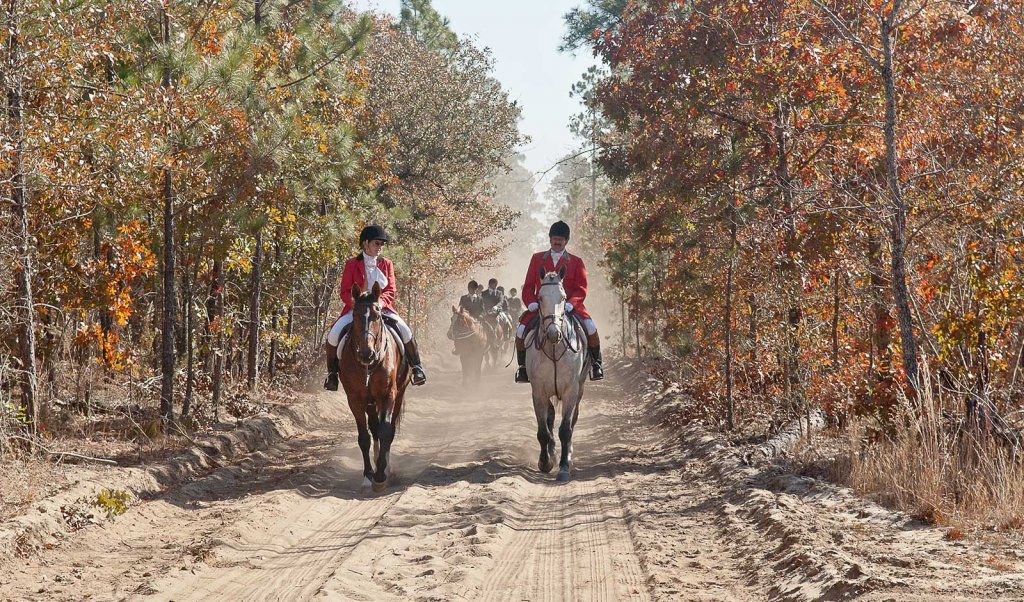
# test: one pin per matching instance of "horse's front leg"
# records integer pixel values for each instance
(385, 435)
(364, 445)
(565, 430)
(372, 422)
(545, 436)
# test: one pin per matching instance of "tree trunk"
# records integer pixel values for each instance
(977, 409)
(211, 315)
(218, 354)
(272, 360)
(881, 319)
(622, 317)
(898, 209)
(729, 404)
(186, 405)
(169, 322)
(290, 326)
(790, 272)
(19, 199)
(835, 320)
(636, 308)
(255, 284)
(752, 303)
(315, 334)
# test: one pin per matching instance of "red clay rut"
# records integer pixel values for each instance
(466, 517)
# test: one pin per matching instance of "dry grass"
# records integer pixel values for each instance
(25, 481)
(940, 473)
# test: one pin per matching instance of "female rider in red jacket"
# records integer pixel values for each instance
(364, 270)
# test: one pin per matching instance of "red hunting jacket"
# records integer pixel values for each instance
(355, 273)
(575, 281)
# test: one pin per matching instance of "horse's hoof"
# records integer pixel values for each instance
(379, 486)
(545, 468)
(563, 476)
(366, 484)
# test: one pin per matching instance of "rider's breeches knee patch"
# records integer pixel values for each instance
(334, 336)
(589, 326)
(520, 331)
(403, 329)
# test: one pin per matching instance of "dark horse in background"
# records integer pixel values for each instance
(374, 374)
(499, 336)
(471, 341)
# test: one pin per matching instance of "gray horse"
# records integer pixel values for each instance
(556, 360)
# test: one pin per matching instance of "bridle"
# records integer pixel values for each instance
(460, 336)
(552, 317)
(380, 341)
(563, 337)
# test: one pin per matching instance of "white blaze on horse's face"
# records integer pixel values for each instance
(552, 306)
(369, 344)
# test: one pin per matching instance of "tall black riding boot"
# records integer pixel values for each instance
(412, 355)
(521, 375)
(331, 384)
(594, 348)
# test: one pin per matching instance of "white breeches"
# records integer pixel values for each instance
(588, 325)
(334, 337)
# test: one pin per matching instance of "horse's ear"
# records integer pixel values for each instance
(561, 273)
(543, 272)
(376, 290)
(355, 291)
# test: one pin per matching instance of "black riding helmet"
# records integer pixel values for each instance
(559, 228)
(373, 232)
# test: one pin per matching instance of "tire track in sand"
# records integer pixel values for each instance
(570, 542)
(291, 560)
(295, 555)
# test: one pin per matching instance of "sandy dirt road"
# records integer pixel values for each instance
(468, 517)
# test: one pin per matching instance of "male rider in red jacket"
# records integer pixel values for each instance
(575, 285)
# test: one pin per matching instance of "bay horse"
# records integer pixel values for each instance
(557, 362)
(471, 341)
(375, 376)
(500, 337)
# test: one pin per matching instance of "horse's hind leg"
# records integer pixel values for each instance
(545, 433)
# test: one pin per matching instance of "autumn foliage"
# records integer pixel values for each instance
(778, 225)
(208, 166)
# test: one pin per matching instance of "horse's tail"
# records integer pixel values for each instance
(396, 417)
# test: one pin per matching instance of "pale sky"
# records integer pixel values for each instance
(523, 36)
